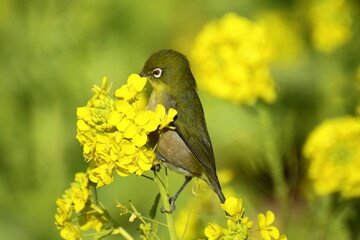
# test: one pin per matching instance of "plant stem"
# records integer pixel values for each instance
(165, 199)
(272, 154)
(142, 218)
(122, 232)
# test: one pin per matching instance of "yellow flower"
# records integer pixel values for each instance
(267, 231)
(190, 223)
(79, 191)
(74, 198)
(231, 58)
(239, 227)
(333, 150)
(331, 23)
(165, 119)
(70, 232)
(88, 215)
(64, 209)
(114, 133)
(213, 231)
(131, 90)
(233, 206)
(93, 218)
(101, 173)
(92, 126)
(91, 221)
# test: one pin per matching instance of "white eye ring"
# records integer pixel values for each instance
(157, 72)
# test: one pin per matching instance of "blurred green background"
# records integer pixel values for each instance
(53, 52)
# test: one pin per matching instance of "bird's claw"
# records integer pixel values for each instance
(156, 168)
(172, 206)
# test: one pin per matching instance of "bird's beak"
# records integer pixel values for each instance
(143, 75)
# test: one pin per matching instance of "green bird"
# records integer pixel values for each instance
(187, 149)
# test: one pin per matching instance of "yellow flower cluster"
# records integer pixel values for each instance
(333, 150)
(231, 58)
(77, 201)
(331, 23)
(239, 227)
(114, 133)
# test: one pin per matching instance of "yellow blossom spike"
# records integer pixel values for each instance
(333, 151)
(331, 22)
(88, 215)
(234, 65)
(113, 133)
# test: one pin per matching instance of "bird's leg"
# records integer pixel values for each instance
(173, 198)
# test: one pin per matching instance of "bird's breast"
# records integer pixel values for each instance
(177, 155)
(153, 101)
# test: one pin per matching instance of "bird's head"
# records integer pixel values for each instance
(168, 70)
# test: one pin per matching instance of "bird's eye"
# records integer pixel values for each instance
(157, 72)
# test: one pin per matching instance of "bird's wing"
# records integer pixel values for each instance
(191, 126)
(194, 133)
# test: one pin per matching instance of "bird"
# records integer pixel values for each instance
(186, 149)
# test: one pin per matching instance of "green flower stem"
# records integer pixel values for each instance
(165, 199)
(100, 208)
(142, 218)
(122, 232)
(272, 154)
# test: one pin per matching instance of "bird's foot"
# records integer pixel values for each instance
(172, 206)
(156, 167)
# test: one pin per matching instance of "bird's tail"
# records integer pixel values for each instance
(214, 184)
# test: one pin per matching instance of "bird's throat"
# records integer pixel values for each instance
(153, 101)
